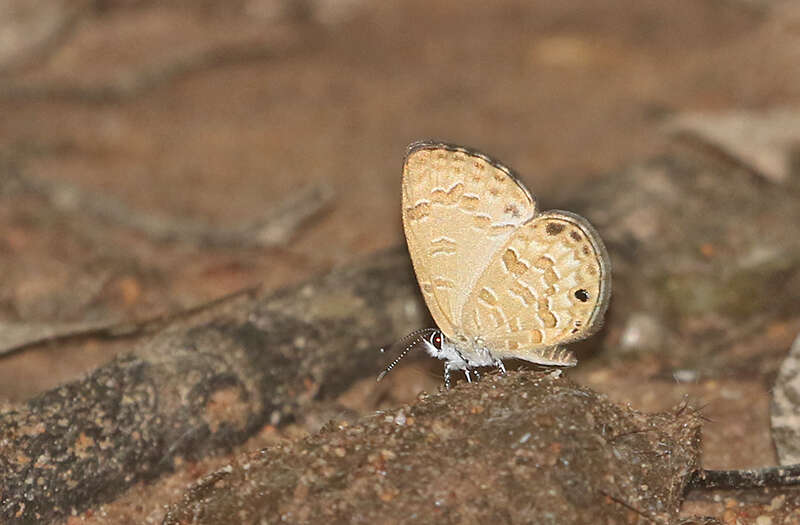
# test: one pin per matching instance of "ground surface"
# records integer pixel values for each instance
(560, 91)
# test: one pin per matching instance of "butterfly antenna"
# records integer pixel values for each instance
(411, 341)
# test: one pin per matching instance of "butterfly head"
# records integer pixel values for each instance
(437, 345)
(432, 340)
(442, 347)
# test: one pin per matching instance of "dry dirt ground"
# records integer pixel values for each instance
(220, 111)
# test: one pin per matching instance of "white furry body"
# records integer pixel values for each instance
(460, 358)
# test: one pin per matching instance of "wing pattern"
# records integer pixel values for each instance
(459, 208)
(548, 285)
(495, 274)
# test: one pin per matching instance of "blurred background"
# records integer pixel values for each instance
(155, 155)
(211, 115)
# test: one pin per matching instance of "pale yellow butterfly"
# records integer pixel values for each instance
(501, 279)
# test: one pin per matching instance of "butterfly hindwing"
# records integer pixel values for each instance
(549, 284)
(459, 209)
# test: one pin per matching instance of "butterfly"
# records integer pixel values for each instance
(501, 279)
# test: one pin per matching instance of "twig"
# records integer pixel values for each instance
(47, 44)
(131, 84)
(15, 337)
(274, 229)
(785, 476)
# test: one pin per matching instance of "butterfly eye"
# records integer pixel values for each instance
(582, 295)
(436, 340)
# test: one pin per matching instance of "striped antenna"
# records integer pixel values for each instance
(410, 341)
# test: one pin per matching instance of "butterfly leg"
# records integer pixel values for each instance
(500, 366)
(447, 375)
(477, 375)
(467, 374)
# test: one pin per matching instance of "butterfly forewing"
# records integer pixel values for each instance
(459, 209)
(547, 285)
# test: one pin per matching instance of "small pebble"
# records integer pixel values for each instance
(777, 502)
